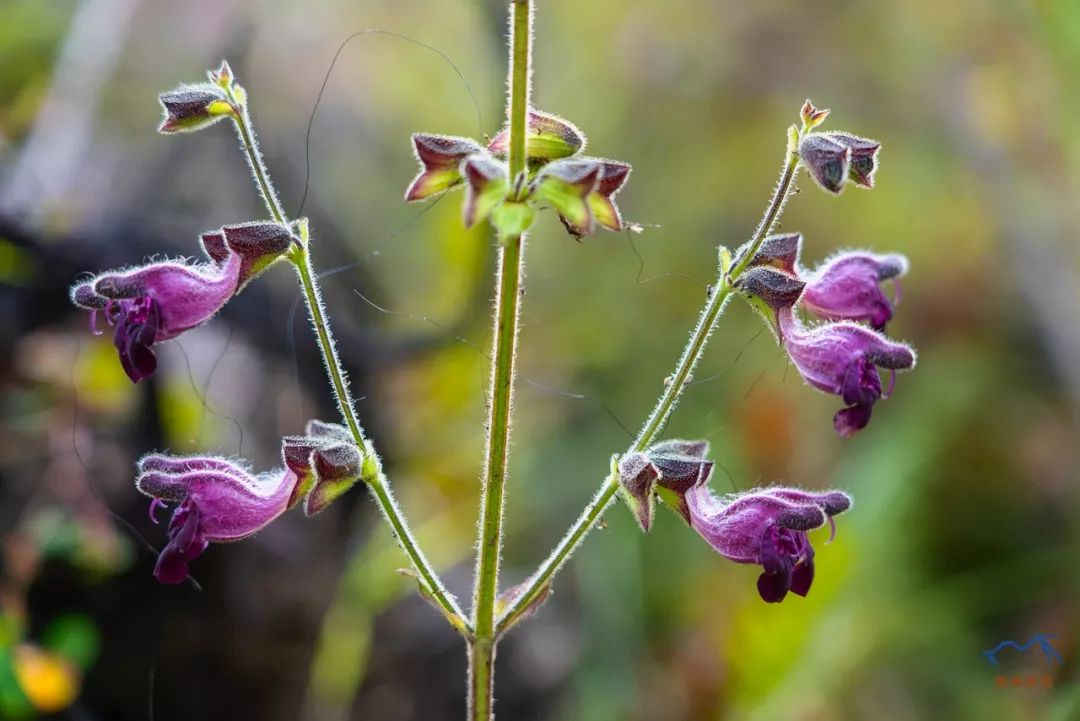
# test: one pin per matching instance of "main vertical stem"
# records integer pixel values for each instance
(500, 396)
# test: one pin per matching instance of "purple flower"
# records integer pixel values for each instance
(766, 527)
(159, 301)
(847, 287)
(843, 359)
(218, 502)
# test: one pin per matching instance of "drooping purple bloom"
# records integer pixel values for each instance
(159, 301)
(219, 501)
(848, 287)
(766, 527)
(843, 359)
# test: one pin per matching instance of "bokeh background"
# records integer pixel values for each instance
(965, 531)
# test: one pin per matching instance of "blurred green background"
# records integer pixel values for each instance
(965, 529)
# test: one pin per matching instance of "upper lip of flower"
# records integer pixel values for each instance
(847, 287)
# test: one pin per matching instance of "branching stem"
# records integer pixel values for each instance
(299, 255)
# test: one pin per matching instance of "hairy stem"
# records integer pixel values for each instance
(500, 395)
(675, 385)
(374, 476)
(255, 160)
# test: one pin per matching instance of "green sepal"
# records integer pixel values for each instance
(512, 218)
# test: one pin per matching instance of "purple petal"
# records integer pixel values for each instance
(185, 544)
(847, 287)
(182, 464)
(849, 421)
(774, 583)
(803, 576)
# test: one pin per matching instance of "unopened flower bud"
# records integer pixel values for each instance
(863, 157)
(337, 469)
(637, 482)
(223, 76)
(322, 429)
(827, 160)
(812, 116)
(508, 598)
(192, 107)
(769, 289)
(326, 461)
(547, 137)
(259, 244)
(440, 159)
(683, 465)
(833, 158)
(779, 251)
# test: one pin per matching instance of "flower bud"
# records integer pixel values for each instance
(326, 461)
(547, 137)
(259, 244)
(440, 158)
(334, 431)
(510, 596)
(769, 289)
(223, 76)
(193, 107)
(637, 481)
(863, 157)
(337, 469)
(779, 251)
(811, 116)
(682, 465)
(827, 160)
(486, 186)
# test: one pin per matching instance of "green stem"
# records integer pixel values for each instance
(665, 405)
(500, 395)
(431, 585)
(255, 161)
(299, 255)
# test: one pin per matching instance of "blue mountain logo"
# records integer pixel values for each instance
(1041, 639)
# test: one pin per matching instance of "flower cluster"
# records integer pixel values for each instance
(221, 501)
(766, 526)
(581, 189)
(158, 301)
(842, 355)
